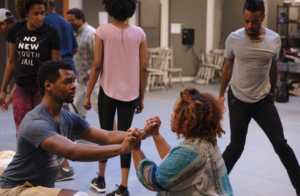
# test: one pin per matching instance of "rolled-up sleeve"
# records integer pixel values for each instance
(146, 174)
(176, 167)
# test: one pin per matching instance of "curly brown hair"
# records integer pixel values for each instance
(23, 6)
(198, 115)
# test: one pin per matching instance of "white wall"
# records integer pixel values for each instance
(134, 19)
(164, 36)
(75, 4)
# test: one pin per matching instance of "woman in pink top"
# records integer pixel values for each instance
(123, 50)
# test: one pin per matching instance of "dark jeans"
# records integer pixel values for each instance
(107, 107)
(265, 114)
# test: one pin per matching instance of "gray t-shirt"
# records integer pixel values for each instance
(31, 163)
(250, 81)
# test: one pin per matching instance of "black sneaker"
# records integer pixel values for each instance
(117, 192)
(98, 185)
(63, 175)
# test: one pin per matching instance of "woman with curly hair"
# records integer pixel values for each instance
(123, 49)
(31, 43)
(195, 166)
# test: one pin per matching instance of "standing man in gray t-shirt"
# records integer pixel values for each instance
(251, 68)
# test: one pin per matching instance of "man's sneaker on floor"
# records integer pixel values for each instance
(118, 192)
(98, 184)
(65, 174)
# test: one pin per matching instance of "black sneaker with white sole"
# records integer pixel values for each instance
(117, 192)
(98, 185)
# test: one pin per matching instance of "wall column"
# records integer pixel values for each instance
(164, 28)
(210, 25)
(75, 4)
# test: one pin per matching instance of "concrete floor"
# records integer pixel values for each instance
(259, 171)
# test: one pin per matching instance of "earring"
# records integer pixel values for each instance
(26, 18)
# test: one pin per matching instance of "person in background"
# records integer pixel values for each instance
(69, 47)
(123, 50)
(85, 35)
(251, 69)
(7, 20)
(31, 43)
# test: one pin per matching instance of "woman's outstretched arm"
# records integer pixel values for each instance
(162, 145)
(137, 155)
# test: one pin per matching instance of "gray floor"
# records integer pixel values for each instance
(259, 171)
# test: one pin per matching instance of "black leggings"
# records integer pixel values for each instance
(107, 107)
(265, 114)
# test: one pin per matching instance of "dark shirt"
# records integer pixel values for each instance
(17, 21)
(33, 48)
(67, 37)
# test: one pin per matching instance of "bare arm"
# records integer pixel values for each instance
(143, 68)
(74, 51)
(162, 145)
(8, 100)
(56, 55)
(100, 136)
(11, 95)
(143, 75)
(273, 76)
(95, 71)
(137, 156)
(64, 147)
(103, 137)
(9, 71)
(226, 76)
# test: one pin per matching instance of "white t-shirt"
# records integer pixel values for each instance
(250, 81)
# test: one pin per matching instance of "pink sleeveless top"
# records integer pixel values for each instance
(120, 78)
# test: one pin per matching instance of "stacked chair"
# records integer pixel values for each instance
(210, 68)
